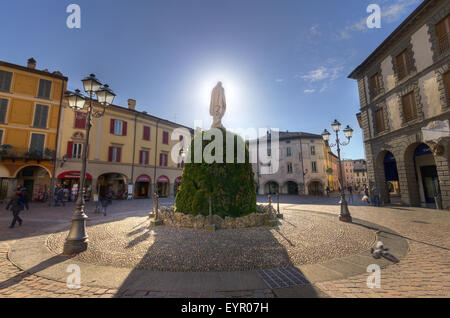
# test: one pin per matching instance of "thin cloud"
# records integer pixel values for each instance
(279, 80)
(309, 91)
(323, 73)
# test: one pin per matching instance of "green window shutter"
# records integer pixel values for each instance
(3, 109)
(5, 81)
(44, 89)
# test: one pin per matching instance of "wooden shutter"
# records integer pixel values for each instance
(69, 149)
(80, 120)
(111, 127)
(110, 154)
(124, 128)
(160, 159)
(3, 109)
(146, 133)
(409, 107)
(402, 64)
(44, 116)
(165, 137)
(140, 157)
(379, 120)
(37, 142)
(118, 154)
(443, 34)
(147, 157)
(5, 81)
(44, 89)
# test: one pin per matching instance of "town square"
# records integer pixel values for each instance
(272, 157)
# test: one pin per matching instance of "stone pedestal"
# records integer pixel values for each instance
(280, 216)
(271, 223)
(156, 222)
(210, 228)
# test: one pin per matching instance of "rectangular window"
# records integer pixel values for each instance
(379, 120)
(80, 120)
(289, 168)
(165, 138)
(37, 143)
(447, 83)
(443, 34)
(403, 64)
(40, 116)
(313, 150)
(118, 127)
(5, 81)
(45, 88)
(288, 152)
(3, 110)
(314, 166)
(146, 133)
(1, 137)
(144, 157)
(409, 107)
(163, 159)
(115, 154)
(77, 151)
(376, 84)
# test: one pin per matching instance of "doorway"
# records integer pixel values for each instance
(430, 182)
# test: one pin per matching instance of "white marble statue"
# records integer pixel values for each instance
(218, 105)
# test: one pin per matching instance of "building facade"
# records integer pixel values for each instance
(302, 166)
(30, 104)
(129, 152)
(404, 108)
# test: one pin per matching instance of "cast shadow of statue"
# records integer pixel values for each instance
(185, 262)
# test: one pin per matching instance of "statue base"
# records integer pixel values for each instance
(272, 223)
(210, 228)
(280, 216)
(156, 222)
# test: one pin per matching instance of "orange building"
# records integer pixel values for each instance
(30, 104)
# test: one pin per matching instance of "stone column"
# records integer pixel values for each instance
(443, 170)
(409, 189)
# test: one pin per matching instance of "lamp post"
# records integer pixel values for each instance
(77, 240)
(348, 132)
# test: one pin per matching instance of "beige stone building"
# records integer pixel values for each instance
(404, 89)
(302, 166)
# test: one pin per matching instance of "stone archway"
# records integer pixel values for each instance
(386, 176)
(422, 180)
(316, 188)
(291, 188)
(271, 187)
(36, 180)
(114, 181)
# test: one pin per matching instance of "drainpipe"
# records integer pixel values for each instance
(303, 168)
(55, 156)
(156, 151)
(134, 154)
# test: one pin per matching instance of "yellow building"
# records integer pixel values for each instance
(129, 151)
(30, 103)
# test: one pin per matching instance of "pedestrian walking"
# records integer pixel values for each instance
(350, 193)
(104, 201)
(59, 196)
(376, 197)
(328, 191)
(16, 205)
(365, 193)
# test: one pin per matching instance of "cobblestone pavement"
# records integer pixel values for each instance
(424, 272)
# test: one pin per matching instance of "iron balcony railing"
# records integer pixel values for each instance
(14, 153)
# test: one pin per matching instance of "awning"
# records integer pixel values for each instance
(163, 179)
(73, 175)
(143, 178)
(178, 180)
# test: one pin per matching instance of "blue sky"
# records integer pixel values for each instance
(284, 63)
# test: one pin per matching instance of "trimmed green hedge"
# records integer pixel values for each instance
(232, 186)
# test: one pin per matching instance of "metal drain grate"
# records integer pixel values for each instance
(283, 277)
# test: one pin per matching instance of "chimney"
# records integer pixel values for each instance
(31, 63)
(131, 104)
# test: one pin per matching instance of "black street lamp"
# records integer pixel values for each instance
(348, 132)
(77, 240)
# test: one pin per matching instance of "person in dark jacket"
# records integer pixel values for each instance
(104, 201)
(16, 204)
(59, 196)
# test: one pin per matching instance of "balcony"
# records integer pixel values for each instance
(14, 153)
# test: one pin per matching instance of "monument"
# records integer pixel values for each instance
(221, 189)
(218, 105)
